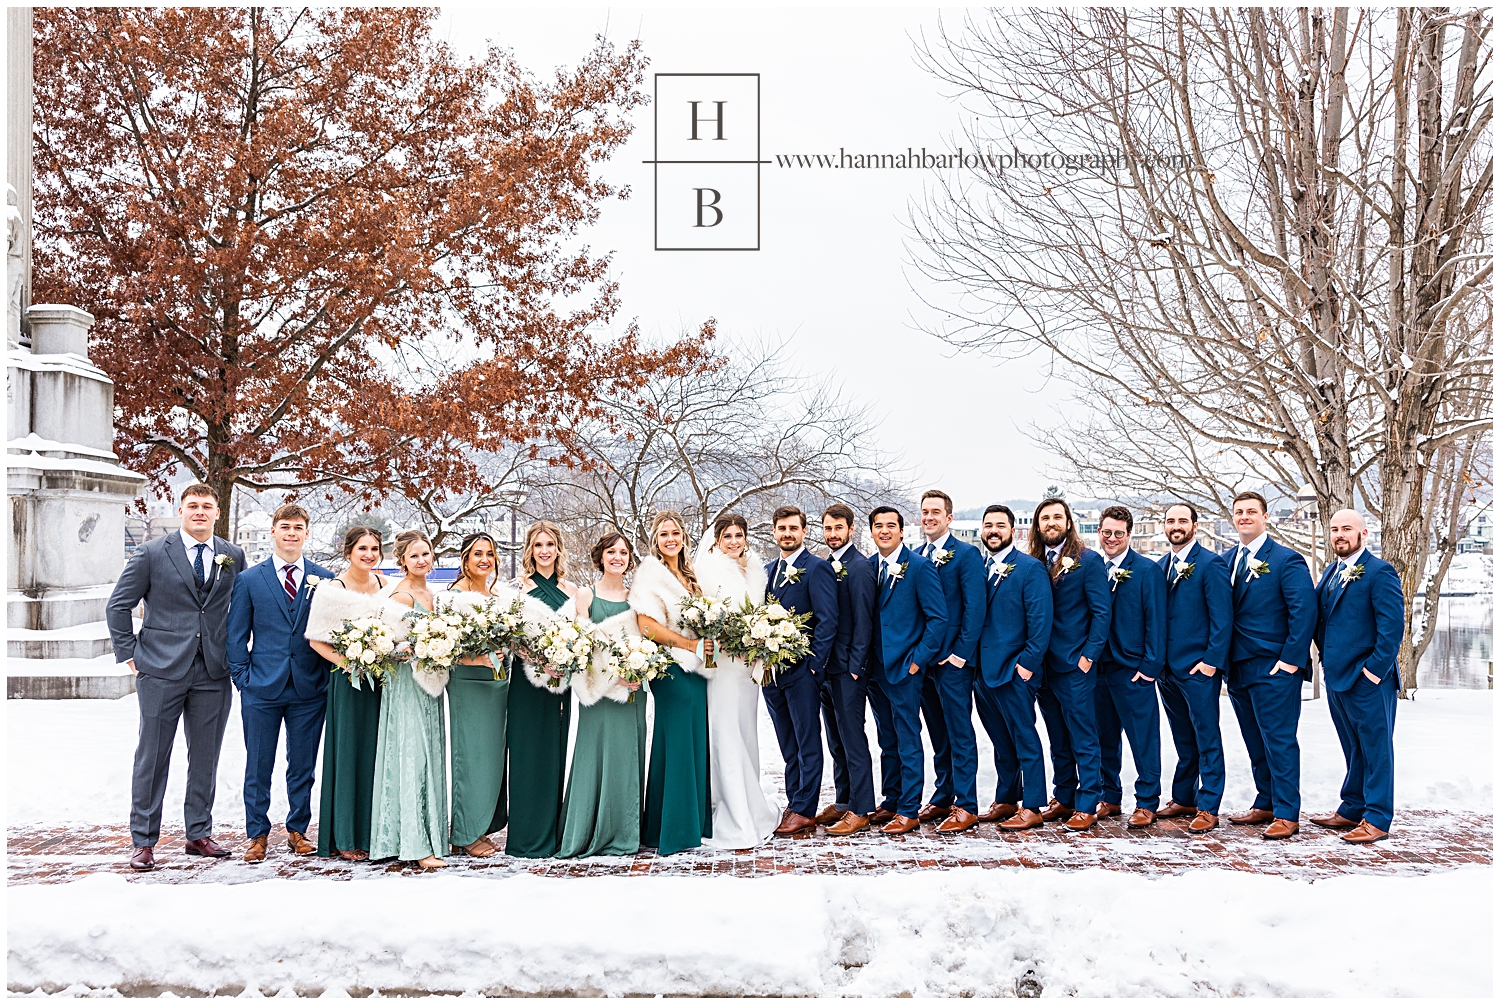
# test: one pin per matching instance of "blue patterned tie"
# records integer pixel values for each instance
(198, 563)
(1239, 567)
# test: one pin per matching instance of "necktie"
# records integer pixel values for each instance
(290, 583)
(1239, 566)
(1337, 577)
(989, 566)
(927, 549)
(198, 563)
(1051, 556)
(780, 571)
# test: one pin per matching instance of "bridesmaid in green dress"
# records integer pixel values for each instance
(537, 730)
(679, 811)
(476, 717)
(410, 808)
(602, 808)
(353, 722)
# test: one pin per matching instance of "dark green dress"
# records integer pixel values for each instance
(679, 813)
(349, 735)
(602, 808)
(537, 740)
(477, 706)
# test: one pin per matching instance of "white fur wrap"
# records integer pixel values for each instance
(592, 686)
(331, 606)
(655, 592)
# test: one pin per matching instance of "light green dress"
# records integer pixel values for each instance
(410, 809)
(476, 716)
(602, 808)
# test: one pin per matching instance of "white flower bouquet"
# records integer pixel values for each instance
(706, 618)
(769, 638)
(494, 626)
(563, 648)
(435, 640)
(634, 659)
(369, 648)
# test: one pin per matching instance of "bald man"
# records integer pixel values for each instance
(1361, 618)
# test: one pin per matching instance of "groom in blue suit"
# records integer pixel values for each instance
(804, 584)
(1200, 622)
(948, 684)
(909, 625)
(1361, 620)
(280, 679)
(1275, 615)
(1012, 651)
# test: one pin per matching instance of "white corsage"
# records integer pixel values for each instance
(793, 574)
(1003, 570)
(898, 573)
(313, 581)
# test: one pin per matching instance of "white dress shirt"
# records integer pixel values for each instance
(838, 556)
(999, 557)
(889, 564)
(1351, 561)
(936, 546)
(297, 571)
(191, 543)
(1254, 547)
(790, 561)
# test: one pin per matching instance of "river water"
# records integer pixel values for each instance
(1460, 654)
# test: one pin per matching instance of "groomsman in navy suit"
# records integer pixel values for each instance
(1200, 621)
(1080, 631)
(1275, 615)
(281, 681)
(846, 684)
(1012, 650)
(1361, 619)
(911, 620)
(948, 684)
(804, 584)
(1125, 694)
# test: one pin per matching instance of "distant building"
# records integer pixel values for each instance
(253, 534)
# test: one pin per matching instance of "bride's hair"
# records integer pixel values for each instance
(734, 520)
(684, 557)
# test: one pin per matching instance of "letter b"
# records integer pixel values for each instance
(712, 206)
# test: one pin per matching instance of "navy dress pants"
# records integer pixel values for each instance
(792, 701)
(843, 700)
(1192, 706)
(898, 726)
(1128, 707)
(947, 705)
(1268, 707)
(1066, 699)
(1008, 714)
(263, 721)
(1365, 719)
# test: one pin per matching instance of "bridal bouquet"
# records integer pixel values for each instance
(369, 646)
(769, 638)
(634, 659)
(563, 648)
(707, 618)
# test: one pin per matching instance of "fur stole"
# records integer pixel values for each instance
(655, 592)
(432, 682)
(592, 686)
(331, 606)
(721, 576)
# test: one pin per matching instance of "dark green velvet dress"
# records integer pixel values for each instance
(537, 741)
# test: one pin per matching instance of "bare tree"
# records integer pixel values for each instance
(1260, 257)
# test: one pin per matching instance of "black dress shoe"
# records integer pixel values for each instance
(207, 847)
(144, 859)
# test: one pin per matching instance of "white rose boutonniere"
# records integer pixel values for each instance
(1183, 569)
(793, 574)
(1256, 570)
(1001, 571)
(1350, 575)
(898, 573)
(222, 560)
(1115, 576)
(943, 557)
(1066, 565)
(839, 569)
(313, 581)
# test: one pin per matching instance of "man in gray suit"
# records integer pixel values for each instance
(181, 673)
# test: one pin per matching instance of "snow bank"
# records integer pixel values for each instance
(966, 932)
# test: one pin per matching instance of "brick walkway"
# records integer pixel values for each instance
(1425, 843)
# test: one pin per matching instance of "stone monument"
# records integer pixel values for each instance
(66, 488)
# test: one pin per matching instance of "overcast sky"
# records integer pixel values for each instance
(832, 273)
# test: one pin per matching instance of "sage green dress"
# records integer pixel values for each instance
(350, 736)
(476, 720)
(602, 808)
(537, 740)
(410, 808)
(679, 812)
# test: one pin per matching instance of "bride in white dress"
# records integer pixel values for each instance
(742, 817)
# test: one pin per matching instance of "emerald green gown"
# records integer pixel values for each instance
(349, 737)
(602, 808)
(679, 812)
(537, 740)
(477, 705)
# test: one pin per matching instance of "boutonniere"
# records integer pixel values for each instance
(1256, 569)
(1350, 575)
(942, 557)
(1184, 569)
(222, 560)
(1066, 565)
(839, 572)
(897, 573)
(793, 574)
(312, 582)
(1115, 576)
(1001, 571)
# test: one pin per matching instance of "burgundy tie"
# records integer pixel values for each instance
(290, 584)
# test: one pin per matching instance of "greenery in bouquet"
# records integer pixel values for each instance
(768, 637)
(436, 639)
(369, 648)
(494, 626)
(635, 659)
(563, 648)
(706, 618)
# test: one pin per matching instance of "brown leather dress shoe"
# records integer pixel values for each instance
(1080, 821)
(998, 812)
(959, 820)
(1107, 810)
(795, 823)
(829, 814)
(1334, 822)
(255, 851)
(882, 816)
(1252, 817)
(1176, 809)
(1023, 820)
(207, 847)
(1142, 817)
(299, 844)
(1365, 833)
(928, 813)
(1204, 822)
(849, 823)
(1280, 829)
(1056, 811)
(901, 825)
(144, 859)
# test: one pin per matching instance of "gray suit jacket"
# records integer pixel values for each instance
(180, 616)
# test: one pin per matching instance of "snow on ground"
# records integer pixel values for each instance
(961, 933)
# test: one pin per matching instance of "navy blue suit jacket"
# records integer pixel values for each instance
(1276, 613)
(851, 643)
(962, 577)
(1138, 617)
(1080, 612)
(1200, 612)
(1360, 623)
(1017, 620)
(817, 592)
(913, 616)
(259, 609)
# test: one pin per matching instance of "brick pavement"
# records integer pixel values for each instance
(1422, 843)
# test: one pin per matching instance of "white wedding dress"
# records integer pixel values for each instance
(743, 818)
